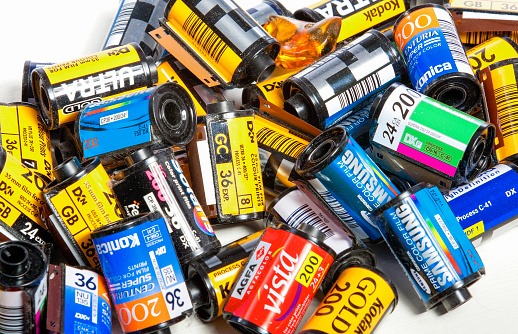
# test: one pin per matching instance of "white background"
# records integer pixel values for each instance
(60, 30)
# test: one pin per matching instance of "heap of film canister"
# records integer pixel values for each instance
(435, 143)
(78, 299)
(131, 24)
(155, 182)
(62, 90)
(437, 63)
(358, 302)
(294, 207)
(343, 81)
(161, 116)
(23, 287)
(210, 279)
(345, 170)
(230, 59)
(80, 200)
(289, 265)
(139, 249)
(430, 245)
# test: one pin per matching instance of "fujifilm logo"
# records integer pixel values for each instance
(111, 246)
(99, 84)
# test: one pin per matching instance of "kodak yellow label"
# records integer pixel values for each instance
(506, 6)
(272, 88)
(20, 193)
(203, 40)
(25, 137)
(489, 52)
(84, 206)
(278, 138)
(166, 73)
(223, 279)
(355, 304)
(99, 62)
(501, 89)
(239, 179)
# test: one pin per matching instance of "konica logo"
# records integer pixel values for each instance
(129, 241)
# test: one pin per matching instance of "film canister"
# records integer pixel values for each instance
(217, 41)
(161, 116)
(486, 206)
(357, 15)
(26, 138)
(131, 25)
(340, 164)
(211, 278)
(80, 200)
(491, 51)
(63, 89)
(428, 242)
(21, 202)
(288, 265)
(436, 60)
(171, 70)
(343, 81)
(28, 67)
(228, 144)
(294, 208)
(428, 136)
(357, 126)
(500, 88)
(144, 277)
(155, 182)
(359, 300)
(261, 12)
(78, 301)
(23, 287)
(279, 146)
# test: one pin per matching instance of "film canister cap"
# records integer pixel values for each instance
(456, 298)
(261, 67)
(312, 231)
(138, 156)
(14, 260)
(66, 169)
(221, 107)
(297, 105)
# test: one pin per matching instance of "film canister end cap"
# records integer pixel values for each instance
(221, 107)
(298, 106)
(66, 169)
(138, 156)
(261, 67)
(456, 298)
(312, 231)
(14, 260)
(199, 296)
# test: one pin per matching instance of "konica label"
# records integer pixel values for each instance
(143, 275)
(430, 245)
(115, 124)
(430, 45)
(486, 202)
(87, 304)
(358, 185)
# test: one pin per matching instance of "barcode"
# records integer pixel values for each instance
(359, 90)
(453, 41)
(123, 17)
(338, 209)
(204, 37)
(482, 36)
(507, 105)
(305, 214)
(280, 142)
